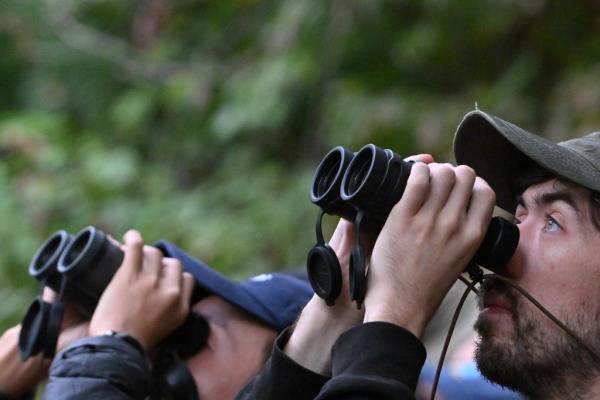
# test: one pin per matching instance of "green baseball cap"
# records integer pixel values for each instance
(499, 151)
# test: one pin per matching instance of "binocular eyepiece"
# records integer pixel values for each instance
(363, 188)
(78, 268)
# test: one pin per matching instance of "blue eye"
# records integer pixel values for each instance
(552, 225)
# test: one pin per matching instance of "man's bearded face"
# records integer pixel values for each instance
(557, 262)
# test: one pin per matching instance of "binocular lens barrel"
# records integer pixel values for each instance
(325, 188)
(374, 181)
(360, 172)
(89, 263)
(43, 266)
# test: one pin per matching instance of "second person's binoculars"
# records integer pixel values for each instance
(363, 188)
(79, 268)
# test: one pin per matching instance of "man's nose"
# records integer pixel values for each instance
(516, 264)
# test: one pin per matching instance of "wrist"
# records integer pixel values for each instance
(339, 317)
(318, 327)
(18, 377)
(132, 341)
(410, 318)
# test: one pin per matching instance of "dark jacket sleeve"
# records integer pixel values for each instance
(377, 360)
(373, 361)
(26, 396)
(282, 378)
(100, 367)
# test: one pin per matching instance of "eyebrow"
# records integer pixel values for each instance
(547, 198)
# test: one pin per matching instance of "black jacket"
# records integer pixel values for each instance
(371, 361)
(100, 367)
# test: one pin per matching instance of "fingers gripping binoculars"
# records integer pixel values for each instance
(363, 188)
(79, 268)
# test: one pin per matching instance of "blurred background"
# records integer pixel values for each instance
(202, 122)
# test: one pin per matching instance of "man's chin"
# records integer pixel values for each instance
(495, 324)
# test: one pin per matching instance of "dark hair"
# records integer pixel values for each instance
(537, 174)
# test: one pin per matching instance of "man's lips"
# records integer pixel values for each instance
(496, 304)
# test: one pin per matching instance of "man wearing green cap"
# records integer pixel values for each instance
(554, 191)
(427, 241)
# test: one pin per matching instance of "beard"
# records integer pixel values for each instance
(535, 357)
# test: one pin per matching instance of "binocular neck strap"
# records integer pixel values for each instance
(319, 227)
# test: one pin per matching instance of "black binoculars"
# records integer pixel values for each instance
(363, 188)
(79, 268)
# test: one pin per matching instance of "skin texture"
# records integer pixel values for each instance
(557, 262)
(235, 351)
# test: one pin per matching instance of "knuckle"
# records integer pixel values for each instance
(474, 233)
(484, 190)
(152, 251)
(173, 265)
(420, 169)
(444, 171)
(171, 295)
(464, 171)
(419, 177)
(449, 223)
(133, 237)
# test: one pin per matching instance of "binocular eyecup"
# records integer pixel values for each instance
(363, 188)
(77, 268)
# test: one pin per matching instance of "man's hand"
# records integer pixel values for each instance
(147, 298)
(319, 325)
(17, 376)
(427, 241)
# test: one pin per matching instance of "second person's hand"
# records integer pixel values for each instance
(147, 298)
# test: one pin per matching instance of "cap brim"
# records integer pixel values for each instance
(499, 151)
(276, 301)
(210, 281)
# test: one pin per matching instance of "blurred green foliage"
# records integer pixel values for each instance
(203, 121)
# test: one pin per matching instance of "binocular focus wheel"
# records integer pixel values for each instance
(357, 276)
(324, 273)
(33, 328)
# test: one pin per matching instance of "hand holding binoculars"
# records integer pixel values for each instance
(363, 188)
(79, 268)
